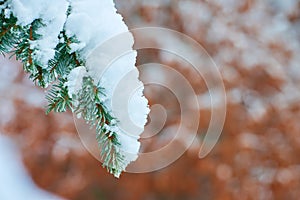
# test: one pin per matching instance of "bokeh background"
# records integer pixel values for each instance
(256, 46)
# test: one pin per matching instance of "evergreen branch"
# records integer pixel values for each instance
(8, 36)
(24, 53)
(75, 58)
(58, 97)
(29, 49)
(64, 61)
(5, 30)
(21, 39)
(60, 66)
(91, 109)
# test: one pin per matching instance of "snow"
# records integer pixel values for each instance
(251, 141)
(255, 105)
(199, 10)
(286, 6)
(7, 111)
(7, 13)
(137, 104)
(129, 148)
(28, 10)
(206, 101)
(75, 79)
(111, 65)
(123, 90)
(93, 23)
(64, 144)
(264, 175)
(15, 182)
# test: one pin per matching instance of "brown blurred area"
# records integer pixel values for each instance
(255, 44)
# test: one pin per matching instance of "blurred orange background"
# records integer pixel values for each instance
(256, 46)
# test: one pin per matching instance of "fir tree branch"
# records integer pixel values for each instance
(29, 49)
(5, 30)
(19, 40)
(92, 110)
(58, 97)
(60, 66)
(8, 28)
(64, 61)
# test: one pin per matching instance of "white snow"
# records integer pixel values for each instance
(94, 22)
(15, 182)
(113, 66)
(27, 10)
(129, 148)
(53, 17)
(123, 90)
(75, 79)
(137, 104)
(7, 111)
(251, 141)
